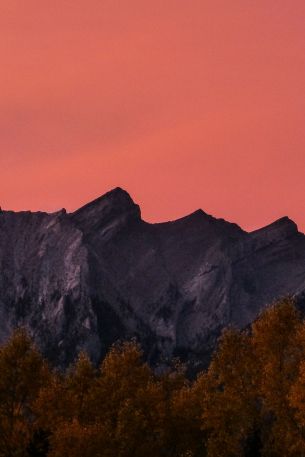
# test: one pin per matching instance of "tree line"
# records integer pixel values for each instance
(249, 402)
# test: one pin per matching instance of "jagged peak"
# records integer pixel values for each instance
(285, 221)
(116, 196)
(284, 226)
(114, 205)
(197, 214)
(201, 222)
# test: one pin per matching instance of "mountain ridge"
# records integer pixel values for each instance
(122, 192)
(83, 280)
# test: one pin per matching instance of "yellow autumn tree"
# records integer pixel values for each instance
(23, 372)
(297, 403)
(61, 408)
(128, 401)
(171, 381)
(278, 354)
(228, 396)
(78, 384)
(52, 406)
(76, 440)
(297, 397)
(187, 438)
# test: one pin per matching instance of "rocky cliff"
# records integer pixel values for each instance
(86, 279)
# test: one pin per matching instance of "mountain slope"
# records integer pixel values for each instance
(86, 279)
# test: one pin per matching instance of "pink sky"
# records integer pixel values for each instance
(184, 103)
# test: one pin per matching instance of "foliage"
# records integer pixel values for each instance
(228, 393)
(23, 372)
(249, 402)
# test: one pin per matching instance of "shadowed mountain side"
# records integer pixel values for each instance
(85, 279)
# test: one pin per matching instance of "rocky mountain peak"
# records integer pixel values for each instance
(115, 204)
(278, 230)
(286, 224)
(86, 279)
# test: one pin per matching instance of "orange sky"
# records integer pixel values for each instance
(185, 103)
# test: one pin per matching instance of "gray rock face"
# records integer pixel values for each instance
(86, 279)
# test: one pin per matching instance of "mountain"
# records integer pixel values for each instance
(86, 279)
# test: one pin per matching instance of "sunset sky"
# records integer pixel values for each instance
(184, 103)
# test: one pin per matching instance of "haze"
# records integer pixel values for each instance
(185, 104)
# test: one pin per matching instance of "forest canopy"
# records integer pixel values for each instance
(249, 402)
